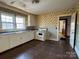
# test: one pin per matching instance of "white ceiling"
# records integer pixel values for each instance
(43, 6)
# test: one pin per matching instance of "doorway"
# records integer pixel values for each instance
(64, 27)
(67, 28)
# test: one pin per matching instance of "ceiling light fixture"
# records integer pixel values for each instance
(12, 2)
(35, 1)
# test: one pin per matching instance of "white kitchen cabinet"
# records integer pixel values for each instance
(27, 36)
(20, 38)
(8, 41)
(4, 43)
(14, 40)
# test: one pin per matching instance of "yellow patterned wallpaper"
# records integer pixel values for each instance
(51, 19)
(47, 20)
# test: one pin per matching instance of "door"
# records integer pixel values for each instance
(72, 30)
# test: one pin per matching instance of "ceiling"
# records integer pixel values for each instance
(43, 6)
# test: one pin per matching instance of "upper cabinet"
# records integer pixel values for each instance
(31, 20)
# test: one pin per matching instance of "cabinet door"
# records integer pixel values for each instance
(14, 40)
(20, 38)
(4, 44)
(26, 36)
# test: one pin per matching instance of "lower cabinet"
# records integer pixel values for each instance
(27, 36)
(4, 43)
(20, 38)
(13, 40)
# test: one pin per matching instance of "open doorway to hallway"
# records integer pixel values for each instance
(67, 28)
(64, 27)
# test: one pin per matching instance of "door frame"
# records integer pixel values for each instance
(65, 25)
(58, 27)
(58, 36)
(75, 29)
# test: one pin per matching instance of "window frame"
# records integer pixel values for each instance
(14, 23)
(24, 23)
(8, 23)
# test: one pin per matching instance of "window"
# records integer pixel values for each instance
(20, 22)
(9, 22)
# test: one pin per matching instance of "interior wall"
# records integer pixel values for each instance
(31, 20)
(51, 21)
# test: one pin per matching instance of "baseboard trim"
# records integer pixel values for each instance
(55, 39)
(39, 40)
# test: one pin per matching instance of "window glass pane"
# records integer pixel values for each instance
(9, 18)
(4, 25)
(20, 26)
(11, 26)
(3, 18)
(6, 18)
(19, 20)
(9, 21)
(7, 26)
